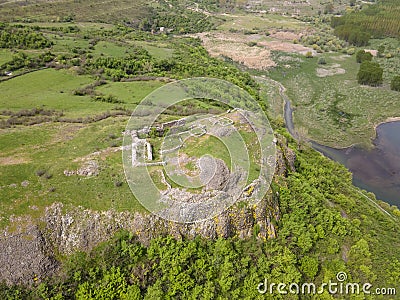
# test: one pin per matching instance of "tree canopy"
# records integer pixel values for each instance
(395, 84)
(370, 73)
(363, 56)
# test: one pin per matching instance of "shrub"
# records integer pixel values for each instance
(370, 73)
(118, 183)
(252, 44)
(309, 54)
(108, 99)
(321, 61)
(395, 84)
(351, 51)
(40, 172)
(381, 50)
(363, 56)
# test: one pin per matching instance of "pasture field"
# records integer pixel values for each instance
(54, 90)
(65, 44)
(130, 93)
(49, 89)
(34, 159)
(83, 26)
(329, 105)
(86, 11)
(53, 148)
(105, 48)
(297, 8)
(156, 49)
(260, 23)
(5, 56)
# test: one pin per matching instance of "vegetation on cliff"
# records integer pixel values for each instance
(325, 227)
(95, 76)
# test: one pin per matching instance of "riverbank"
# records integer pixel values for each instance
(376, 170)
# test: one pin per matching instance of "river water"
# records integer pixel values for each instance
(376, 170)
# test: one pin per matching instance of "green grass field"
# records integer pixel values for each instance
(109, 49)
(260, 23)
(5, 56)
(309, 7)
(65, 44)
(207, 144)
(335, 110)
(83, 26)
(86, 11)
(55, 148)
(52, 89)
(158, 50)
(129, 92)
(49, 89)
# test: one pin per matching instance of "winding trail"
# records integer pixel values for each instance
(22, 74)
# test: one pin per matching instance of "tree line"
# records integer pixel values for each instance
(378, 21)
(22, 38)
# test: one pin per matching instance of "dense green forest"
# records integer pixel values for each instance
(376, 20)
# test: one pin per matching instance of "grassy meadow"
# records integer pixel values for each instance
(54, 90)
(52, 147)
(87, 11)
(5, 56)
(260, 23)
(329, 105)
(130, 93)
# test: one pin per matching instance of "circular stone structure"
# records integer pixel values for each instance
(188, 198)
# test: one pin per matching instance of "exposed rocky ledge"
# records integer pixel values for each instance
(27, 255)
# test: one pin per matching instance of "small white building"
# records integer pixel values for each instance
(149, 151)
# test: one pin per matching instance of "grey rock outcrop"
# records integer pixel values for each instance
(28, 255)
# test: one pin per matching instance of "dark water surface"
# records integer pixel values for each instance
(376, 170)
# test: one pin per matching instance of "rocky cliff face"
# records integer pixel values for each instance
(28, 255)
